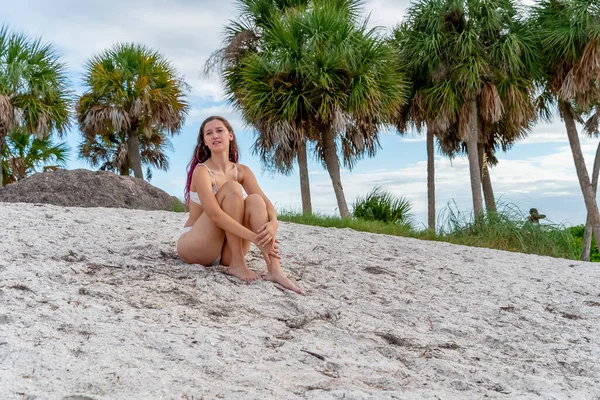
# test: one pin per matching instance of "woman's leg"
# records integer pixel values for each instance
(231, 199)
(255, 217)
(203, 244)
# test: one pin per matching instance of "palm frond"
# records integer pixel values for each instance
(35, 92)
(130, 89)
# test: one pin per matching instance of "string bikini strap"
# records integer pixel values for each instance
(209, 171)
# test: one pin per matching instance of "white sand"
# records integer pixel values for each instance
(95, 303)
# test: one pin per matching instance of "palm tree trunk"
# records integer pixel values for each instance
(133, 152)
(2, 145)
(587, 233)
(304, 184)
(333, 167)
(584, 179)
(474, 163)
(430, 182)
(486, 182)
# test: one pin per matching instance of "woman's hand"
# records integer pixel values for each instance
(275, 250)
(266, 233)
(270, 250)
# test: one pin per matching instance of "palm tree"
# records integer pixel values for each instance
(243, 37)
(323, 76)
(25, 154)
(34, 89)
(441, 44)
(471, 63)
(568, 30)
(110, 152)
(592, 128)
(412, 113)
(135, 92)
(515, 125)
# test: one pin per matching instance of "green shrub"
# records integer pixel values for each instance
(178, 206)
(577, 232)
(380, 205)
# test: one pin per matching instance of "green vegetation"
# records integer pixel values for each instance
(507, 229)
(472, 65)
(380, 205)
(357, 224)
(25, 153)
(35, 95)
(317, 74)
(577, 232)
(178, 206)
(133, 100)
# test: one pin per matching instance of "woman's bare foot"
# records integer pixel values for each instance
(242, 272)
(283, 280)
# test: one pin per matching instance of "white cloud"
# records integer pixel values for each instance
(412, 139)
(554, 132)
(386, 13)
(199, 114)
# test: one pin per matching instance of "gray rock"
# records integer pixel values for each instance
(85, 188)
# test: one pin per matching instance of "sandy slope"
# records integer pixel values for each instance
(95, 303)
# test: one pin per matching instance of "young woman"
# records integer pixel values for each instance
(223, 222)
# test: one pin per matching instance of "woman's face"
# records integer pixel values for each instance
(216, 136)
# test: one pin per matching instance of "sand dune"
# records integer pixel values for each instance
(94, 304)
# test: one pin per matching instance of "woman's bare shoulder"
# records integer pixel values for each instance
(242, 167)
(199, 172)
(243, 170)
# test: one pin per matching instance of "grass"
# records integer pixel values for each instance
(178, 206)
(504, 230)
(357, 224)
(507, 229)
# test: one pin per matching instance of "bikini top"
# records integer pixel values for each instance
(194, 195)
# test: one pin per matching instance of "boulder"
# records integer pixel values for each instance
(85, 188)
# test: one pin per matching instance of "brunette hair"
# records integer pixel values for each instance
(202, 153)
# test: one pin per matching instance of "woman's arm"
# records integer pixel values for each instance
(203, 183)
(267, 232)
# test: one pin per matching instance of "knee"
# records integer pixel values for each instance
(255, 201)
(231, 188)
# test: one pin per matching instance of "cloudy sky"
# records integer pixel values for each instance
(537, 172)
